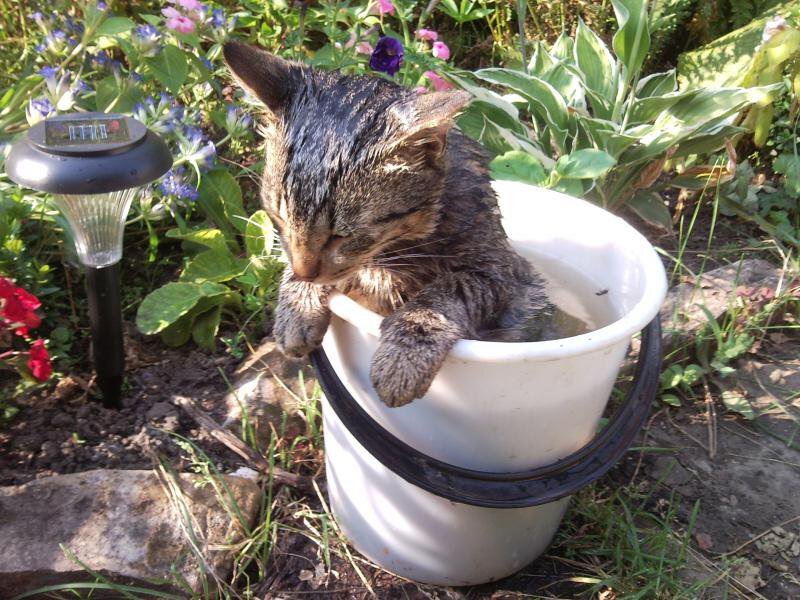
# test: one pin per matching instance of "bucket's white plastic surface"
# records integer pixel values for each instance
(493, 406)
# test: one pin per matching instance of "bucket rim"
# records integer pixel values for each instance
(619, 330)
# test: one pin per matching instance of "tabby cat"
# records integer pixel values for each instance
(375, 194)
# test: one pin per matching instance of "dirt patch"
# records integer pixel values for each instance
(64, 430)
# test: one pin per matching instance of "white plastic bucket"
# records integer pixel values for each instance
(493, 409)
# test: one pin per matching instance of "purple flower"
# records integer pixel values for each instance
(81, 87)
(101, 58)
(174, 184)
(207, 63)
(102, 6)
(135, 77)
(387, 56)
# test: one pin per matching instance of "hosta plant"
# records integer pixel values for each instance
(583, 119)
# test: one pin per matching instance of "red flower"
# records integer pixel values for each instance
(18, 306)
(39, 361)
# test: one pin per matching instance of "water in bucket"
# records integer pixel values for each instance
(580, 305)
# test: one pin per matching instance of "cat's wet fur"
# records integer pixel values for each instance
(375, 194)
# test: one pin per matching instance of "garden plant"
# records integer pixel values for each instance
(680, 117)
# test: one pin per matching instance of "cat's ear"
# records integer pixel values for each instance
(423, 123)
(266, 76)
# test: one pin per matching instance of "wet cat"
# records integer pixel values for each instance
(375, 193)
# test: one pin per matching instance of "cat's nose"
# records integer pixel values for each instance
(305, 270)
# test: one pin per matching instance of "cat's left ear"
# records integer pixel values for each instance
(423, 123)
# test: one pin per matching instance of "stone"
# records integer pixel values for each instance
(159, 410)
(267, 386)
(681, 313)
(120, 523)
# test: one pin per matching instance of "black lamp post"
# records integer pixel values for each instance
(93, 164)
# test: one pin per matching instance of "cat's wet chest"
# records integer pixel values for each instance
(382, 290)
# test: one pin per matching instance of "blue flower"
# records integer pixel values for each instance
(102, 6)
(218, 18)
(145, 39)
(174, 184)
(135, 77)
(49, 74)
(101, 58)
(81, 87)
(38, 109)
(387, 56)
(207, 63)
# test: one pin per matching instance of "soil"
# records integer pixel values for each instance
(65, 430)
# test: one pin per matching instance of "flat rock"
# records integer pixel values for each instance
(120, 523)
(681, 313)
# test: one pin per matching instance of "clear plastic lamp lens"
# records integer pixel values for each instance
(97, 222)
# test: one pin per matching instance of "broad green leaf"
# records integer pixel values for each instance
(584, 164)
(110, 98)
(736, 402)
(543, 98)
(204, 330)
(571, 187)
(518, 166)
(657, 84)
(169, 67)
(167, 304)
(651, 208)
(209, 238)
(562, 48)
(595, 63)
(179, 332)
(632, 40)
(490, 98)
(259, 234)
(728, 59)
(212, 265)
(220, 196)
(605, 136)
(115, 25)
(541, 62)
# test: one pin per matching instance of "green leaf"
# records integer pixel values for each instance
(595, 63)
(213, 265)
(169, 67)
(584, 164)
(179, 332)
(657, 84)
(518, 166)
(259, 234)
(543, 98)
(571, 187)
(204, 331)
(208, 238)
(736, 402)
(110, 98)
(167, 304)
(671, 399)
(650, 207)
(115, 25)
(562, 48)
(632, 40)
(220, 196)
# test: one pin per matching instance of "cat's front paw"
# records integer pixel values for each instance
(296, 336)
(400, 376)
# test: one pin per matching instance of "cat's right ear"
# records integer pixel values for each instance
(266, 76)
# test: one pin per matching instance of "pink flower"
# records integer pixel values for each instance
(421, 89)
(427, 34)
(364, 48)
(180, 24)
(384, 7)
(190, 4)
(349, 43)
(170, 13)
(440, 50)
(437, 81)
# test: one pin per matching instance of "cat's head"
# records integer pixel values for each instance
(353, 165)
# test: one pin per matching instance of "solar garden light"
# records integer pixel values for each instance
(93, 164)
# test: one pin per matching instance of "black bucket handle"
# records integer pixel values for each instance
(504, 490)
